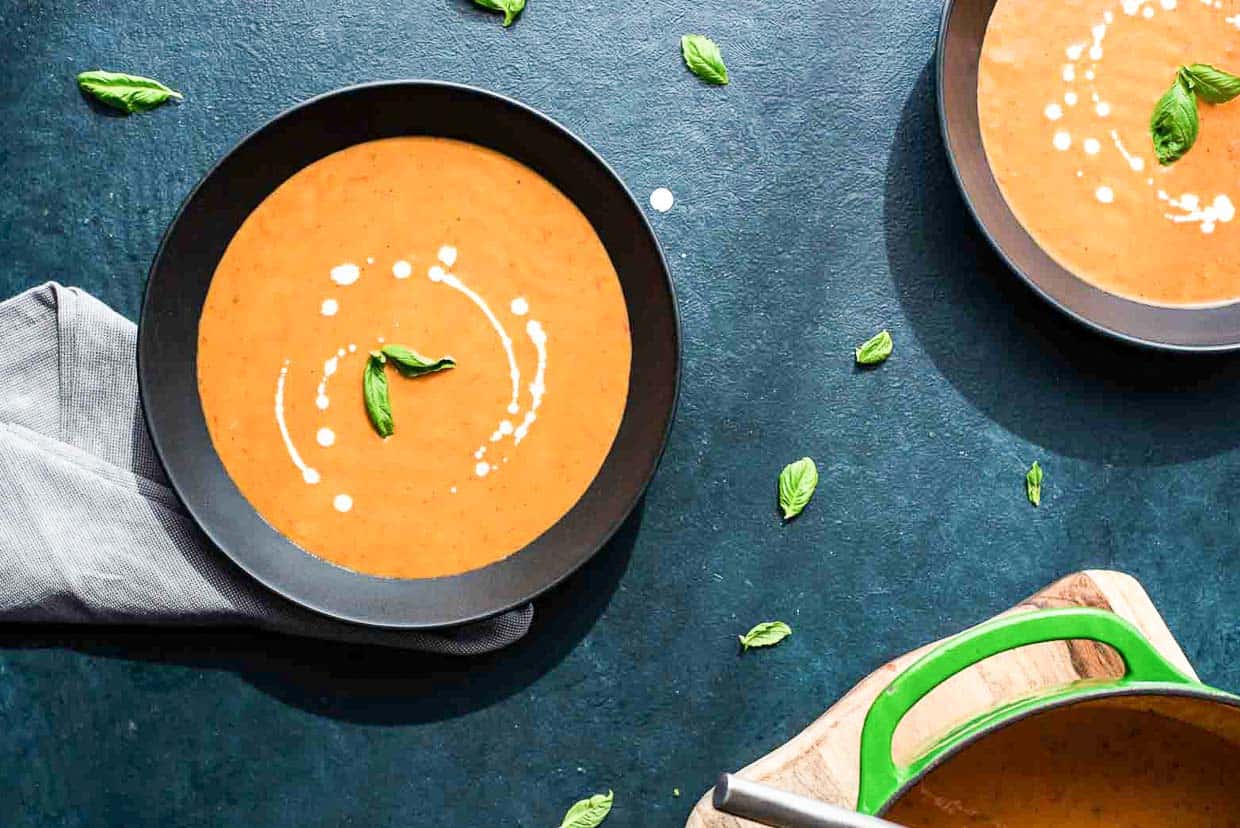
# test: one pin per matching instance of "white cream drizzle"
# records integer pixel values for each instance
(329, 307)
(439, 275)
(346, 274)
(307, 474)
(534, 330)
(519, 306)
(1220, 210)
(342, 502)
(325, 437)
(1135, 163)
(402, 269)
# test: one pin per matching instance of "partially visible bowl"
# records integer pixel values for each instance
(961, 32)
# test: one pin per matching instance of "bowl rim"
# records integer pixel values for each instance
(1149, 343)
(630, 504)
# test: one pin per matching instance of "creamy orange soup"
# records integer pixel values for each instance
(1065, 93)
(449, 249)
(1087, 766)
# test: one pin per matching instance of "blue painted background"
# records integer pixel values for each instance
(813, 207)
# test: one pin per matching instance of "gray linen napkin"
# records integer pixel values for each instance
(90, 532)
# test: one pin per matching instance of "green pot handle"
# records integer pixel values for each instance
(881, 777)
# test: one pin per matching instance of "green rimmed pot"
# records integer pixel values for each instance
(1150, 683)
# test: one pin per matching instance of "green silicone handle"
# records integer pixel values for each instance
(881, 777)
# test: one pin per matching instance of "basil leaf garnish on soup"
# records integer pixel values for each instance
(1033, 484)
(588, 813)
(509, 8)
(409, 363)
(128, 93)
(1214, 86)
(796, 486)
(1173, 126)
(412, 364)
(766, 634)
(375, 394)
(703, 58)
(875, 349)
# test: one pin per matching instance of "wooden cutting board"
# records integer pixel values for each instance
(821, 761)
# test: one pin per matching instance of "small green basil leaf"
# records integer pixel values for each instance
(796, 486)
(1033, 484)
(510, 8)
(765, 634)
(1213, 85)
(702, 56)
(875, 349)
(412, 364)
(588, 813)
(1173, 126)
(375, 393)
(128, 93)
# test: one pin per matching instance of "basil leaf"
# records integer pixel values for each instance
(375, 393)
(128, 93)
(588, 813)
(766, 634)
(412, 364)
(1213, 85)
(796, 486)
(1173, 126)
(702, 56)
(1033, 484)
(510, 8)
(875, 349)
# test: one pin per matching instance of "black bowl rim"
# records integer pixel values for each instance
(676, 330)
(1132, 339)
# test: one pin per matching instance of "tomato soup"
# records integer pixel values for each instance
(1065, 94)
(450, 250)
(1086, 766)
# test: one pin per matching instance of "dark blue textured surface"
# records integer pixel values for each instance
(813, 207)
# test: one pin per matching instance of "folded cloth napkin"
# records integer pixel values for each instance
(90, 531)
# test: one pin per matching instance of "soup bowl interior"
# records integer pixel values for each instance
(177, 289)
(963, 28)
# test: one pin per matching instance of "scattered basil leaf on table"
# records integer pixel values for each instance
(875, 349)
(588, 812)
(128, 93)
(766, 634)
(509, 8)
(375, 393)
(1174, 124)
(1214, 86)
(412, 364)
(1033, 484)
(796, 486)
(702, 56)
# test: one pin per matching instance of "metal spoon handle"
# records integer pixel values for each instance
(781, 809)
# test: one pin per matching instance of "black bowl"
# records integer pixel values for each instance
(961, 32)
(177, 288)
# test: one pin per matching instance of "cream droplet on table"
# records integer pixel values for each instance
(662, 199)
